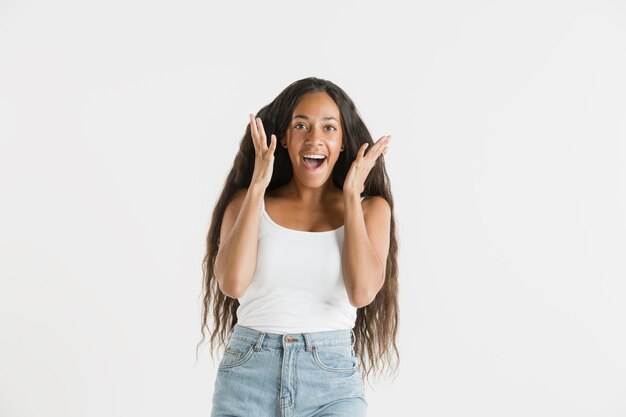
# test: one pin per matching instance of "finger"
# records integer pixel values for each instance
(384, 140)
(361, 151)
(253, 132)
(385, 145)
(374, 150)
(385, 149)
(381, 146)
(273, 141)
(262, 137)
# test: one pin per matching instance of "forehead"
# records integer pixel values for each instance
(317, 105)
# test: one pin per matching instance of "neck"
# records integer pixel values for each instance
(311, 196)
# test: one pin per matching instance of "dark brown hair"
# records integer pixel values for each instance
(376, 324)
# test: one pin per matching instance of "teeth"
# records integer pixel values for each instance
(314, 156)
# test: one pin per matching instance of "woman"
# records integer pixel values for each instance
(301, 268)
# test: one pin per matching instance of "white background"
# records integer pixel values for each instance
(119, 121)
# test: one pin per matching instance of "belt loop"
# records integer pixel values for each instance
(257, 345)
(308, 345)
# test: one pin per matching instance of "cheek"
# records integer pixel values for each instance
(294, 134)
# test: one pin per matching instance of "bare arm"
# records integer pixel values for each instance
(236, 257)
(235, 262)
(365, 247)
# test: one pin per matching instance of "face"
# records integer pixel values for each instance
(314, 130)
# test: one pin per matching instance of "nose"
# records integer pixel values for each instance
(314, 135)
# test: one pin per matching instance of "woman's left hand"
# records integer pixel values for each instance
(363, 164)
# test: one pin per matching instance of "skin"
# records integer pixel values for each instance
(309, 200)
(310, 131)
(316, 128)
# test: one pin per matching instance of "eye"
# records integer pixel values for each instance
(298, 124)
(333, 127)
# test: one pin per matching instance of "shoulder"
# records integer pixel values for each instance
(376, 206)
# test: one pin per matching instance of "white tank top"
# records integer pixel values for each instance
(298, 284)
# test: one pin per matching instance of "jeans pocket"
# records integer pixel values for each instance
(338, 358)
(238, 352)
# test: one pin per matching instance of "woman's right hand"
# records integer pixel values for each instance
(264, 159)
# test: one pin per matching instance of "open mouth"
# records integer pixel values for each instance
(313, 164)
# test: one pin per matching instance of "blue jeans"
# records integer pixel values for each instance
(292, 375)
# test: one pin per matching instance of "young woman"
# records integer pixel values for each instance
(301, 261)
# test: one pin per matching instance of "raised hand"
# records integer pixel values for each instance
(264, 159)
(363, 164)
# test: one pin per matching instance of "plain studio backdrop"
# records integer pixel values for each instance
(119, 121)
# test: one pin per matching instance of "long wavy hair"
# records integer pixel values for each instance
(376, 324)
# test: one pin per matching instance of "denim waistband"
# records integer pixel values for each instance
(293, 340)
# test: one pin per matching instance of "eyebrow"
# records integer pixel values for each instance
(302, 116)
